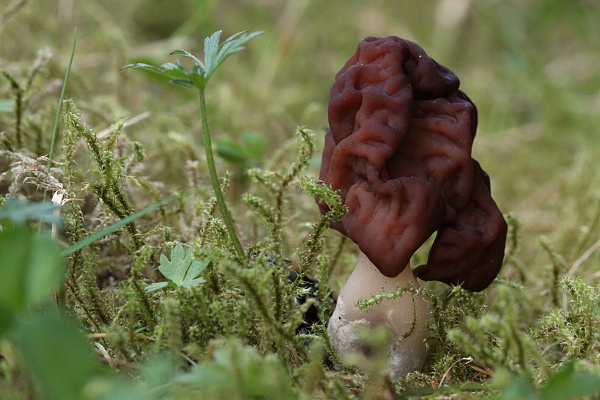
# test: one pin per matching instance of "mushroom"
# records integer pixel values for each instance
(399, 152)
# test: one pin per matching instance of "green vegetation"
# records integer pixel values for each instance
(133, 282)
(182, 270)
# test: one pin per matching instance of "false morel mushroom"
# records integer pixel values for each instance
(399, 152)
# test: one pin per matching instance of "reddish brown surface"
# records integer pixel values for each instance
(399, 151)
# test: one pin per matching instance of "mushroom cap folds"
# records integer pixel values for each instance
(399, 152)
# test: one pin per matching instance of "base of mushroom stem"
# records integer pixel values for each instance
(405, 315)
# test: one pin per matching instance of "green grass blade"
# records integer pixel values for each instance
(116, 226)
(60, 101)
(59, 110)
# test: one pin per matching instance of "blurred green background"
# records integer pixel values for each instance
(530, 66)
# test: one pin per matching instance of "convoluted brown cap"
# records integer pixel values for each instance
(399, 152)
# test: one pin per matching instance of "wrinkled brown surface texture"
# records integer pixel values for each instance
(399, 151)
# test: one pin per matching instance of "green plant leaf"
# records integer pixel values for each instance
(211, 47)
(183, 82)
(7, 105)
(241, 154)
(19, 211)
(156, 286)
(199, 64)
(174, 70)
(31, 267)
(182, 269)
(6, 317)
(230, 150)
(255, 143)
(568, 383)
(57, 354)
(521, 387)
(217, 55)
(153, 384)
(255, 376)
(143, 66)
(235, 43)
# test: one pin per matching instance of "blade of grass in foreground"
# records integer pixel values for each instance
(116, 226)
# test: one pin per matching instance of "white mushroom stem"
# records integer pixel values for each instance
(404, 314)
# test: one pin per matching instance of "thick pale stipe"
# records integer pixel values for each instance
(404, 314)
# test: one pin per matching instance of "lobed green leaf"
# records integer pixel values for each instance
(182, 269)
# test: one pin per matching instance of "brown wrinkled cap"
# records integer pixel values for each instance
(399, 152)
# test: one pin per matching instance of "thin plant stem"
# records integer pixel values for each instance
(210, 160)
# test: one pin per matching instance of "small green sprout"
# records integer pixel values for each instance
(198, 77)
(182, 269)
